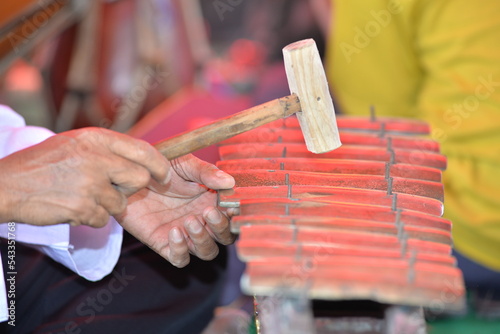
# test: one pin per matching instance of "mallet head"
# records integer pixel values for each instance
(307, 79)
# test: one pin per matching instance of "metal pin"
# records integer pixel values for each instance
(280, 139)
(387, 170)
(295, 233)
(287, 209)
(411, 267)
(287, 179)
(389, 143)
(389, 186)
(289, 192)
(283, 154)
(382, 130)
(372, 114)
(404, 244)
(393, 157)
(394, 202)
(282, 166)
(399, 224)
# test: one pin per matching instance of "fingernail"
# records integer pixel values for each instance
(176, 235)
(194, 226)
(222, 175)
(213, 216)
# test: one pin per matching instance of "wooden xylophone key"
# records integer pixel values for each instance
(345, 277)
(305, 208)
(252, 178)
(347, 224)
(382, 125)
(231, 198)
(373, 153)
(279, 135)
(335, 166)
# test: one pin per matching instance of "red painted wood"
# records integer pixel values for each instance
(348, 224)
(322, 236)
(339, 166)
(402, 126)
(292, 150)
(250, 250)
(232, 197)
(399, 282)
(252, 178)
(304, 208)
(285, 135)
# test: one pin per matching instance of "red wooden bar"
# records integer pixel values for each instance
(373, 153)
(304, 208)
(250, 250)
(322, 236)
(232, 197)
(252, 178)
(346, 224)
(339, 166)
(285, 135)
(400, 126)
(400, 281)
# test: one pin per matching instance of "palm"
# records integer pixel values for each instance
(153, 212)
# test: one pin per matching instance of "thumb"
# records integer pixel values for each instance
(192, 169)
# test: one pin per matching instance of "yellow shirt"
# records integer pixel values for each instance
(436, 60)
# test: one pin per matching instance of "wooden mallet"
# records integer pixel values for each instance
(310, 100)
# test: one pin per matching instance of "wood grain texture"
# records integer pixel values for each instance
(228, 127)
(306, 78)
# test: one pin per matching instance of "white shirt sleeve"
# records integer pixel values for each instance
(91, 253)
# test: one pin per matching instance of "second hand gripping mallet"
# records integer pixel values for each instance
(310, 99)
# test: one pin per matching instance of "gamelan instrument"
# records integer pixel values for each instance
(321, 222)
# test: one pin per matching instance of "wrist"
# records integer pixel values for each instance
(7, 201)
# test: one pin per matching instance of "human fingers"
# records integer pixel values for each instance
(177, 251)
(219, 225)
(134, 150)
(98, 218)
(114, 201)
(191, 168)
(127, 176)
(202, 244)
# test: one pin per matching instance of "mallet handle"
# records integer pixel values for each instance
(228, 127)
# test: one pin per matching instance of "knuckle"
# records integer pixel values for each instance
(141, 178)
(119, 204)
(144, 151)
(99, 218)
(210, 254)
(122, 203)
(179, 261)
(229, 240)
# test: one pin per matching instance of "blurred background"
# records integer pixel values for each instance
(153, 68)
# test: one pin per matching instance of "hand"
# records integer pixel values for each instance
(180, 218)
(78, 177)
